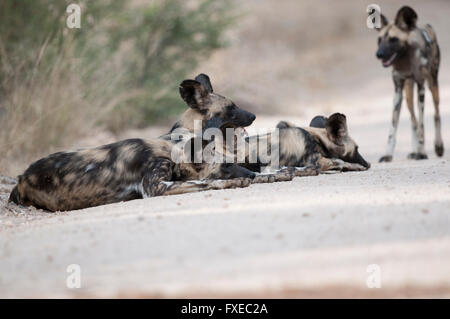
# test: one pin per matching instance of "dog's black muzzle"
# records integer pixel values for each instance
(243, 118)
(358, 159)
(240, 118)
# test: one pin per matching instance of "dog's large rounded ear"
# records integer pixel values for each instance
(384, 22)
(194, 94)
(318, 121)
(204, 80)
(406, 18)
(336, 126)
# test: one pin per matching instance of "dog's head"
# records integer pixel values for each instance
(214, 110)
(193, 162)
(393, 37)
(336, 140)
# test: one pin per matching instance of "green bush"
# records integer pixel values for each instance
(121, 68)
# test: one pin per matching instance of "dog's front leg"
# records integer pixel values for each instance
(176, 188)
(158, 181)
(272, 175)
(156, 177)
(409, 94)
(421, 130)
(327, 164)
(398, 98)
(284, 174)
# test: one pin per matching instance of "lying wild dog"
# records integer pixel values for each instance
(137, 168)
(216, 111)
(414, 55)
(324, 145)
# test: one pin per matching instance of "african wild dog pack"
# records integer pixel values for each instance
(138, 168)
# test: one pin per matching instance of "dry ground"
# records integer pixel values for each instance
(312, 237)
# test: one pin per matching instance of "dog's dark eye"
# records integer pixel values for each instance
(393, 40)
(230, 111)
(231, 107)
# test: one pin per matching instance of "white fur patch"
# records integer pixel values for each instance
(89, 167)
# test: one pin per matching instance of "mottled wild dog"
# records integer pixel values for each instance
(137, 168)
(324, 145)
(414, 55)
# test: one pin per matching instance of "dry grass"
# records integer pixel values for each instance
(47, 110)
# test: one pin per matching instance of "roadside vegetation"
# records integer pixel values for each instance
(121, 69)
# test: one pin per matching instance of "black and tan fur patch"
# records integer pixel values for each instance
(324, 145)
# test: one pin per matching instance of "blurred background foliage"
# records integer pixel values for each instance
(120, 69)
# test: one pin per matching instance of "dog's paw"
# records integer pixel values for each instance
(417, 156)
(353, 168)
(412, 155)
(359, 168)
(241, 182)
(306, 171)
(439, 149)
(238, 182)
(284, 177)
(264, 178)
(386, 158)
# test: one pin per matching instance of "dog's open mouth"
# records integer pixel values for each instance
(389, 61)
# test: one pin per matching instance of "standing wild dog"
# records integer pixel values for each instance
(137, 168)
(324, 145)
(414, 55)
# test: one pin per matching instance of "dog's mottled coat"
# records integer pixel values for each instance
(137, 168)
(324, 145)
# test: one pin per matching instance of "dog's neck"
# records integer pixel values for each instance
(404, 61)
(189, 119)
(320, 135)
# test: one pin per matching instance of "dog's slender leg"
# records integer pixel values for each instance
(305, 171)
(285, 174)
(157, 181)
(398, 97)
(327, 164)
(409, 94)
(272, 175)
(438, 144)
(421, 131)
(272, 178)
(176, 188)
(158, 172)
